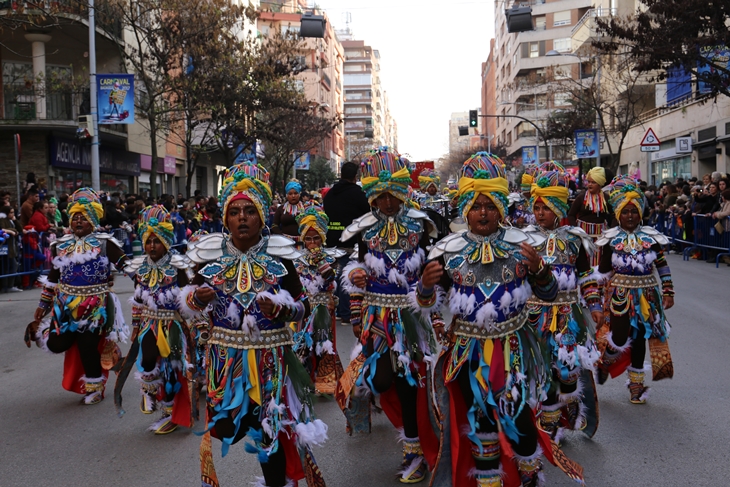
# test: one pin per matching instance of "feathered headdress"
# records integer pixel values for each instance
(483, 173)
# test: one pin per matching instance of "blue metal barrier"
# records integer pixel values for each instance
(706, 237)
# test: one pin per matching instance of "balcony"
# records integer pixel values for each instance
(326, 80)
(23, 106)
(63, 8)
(584, 31)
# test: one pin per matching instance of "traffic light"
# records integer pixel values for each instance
(473, 118)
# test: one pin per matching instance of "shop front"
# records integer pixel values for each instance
(71, 164)
(166, 169)
(668, 165)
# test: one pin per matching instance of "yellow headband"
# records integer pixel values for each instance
(485, 187)
(598, 175)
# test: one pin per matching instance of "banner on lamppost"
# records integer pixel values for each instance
(115, 98)
(716, 60)
(301, 163)
(586, 143)
(529, 154)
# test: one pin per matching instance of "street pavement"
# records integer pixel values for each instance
(679, 438)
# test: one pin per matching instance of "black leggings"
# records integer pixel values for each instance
(620, 331)
(275, 469)
(524, 421)
(150, 353)
(407, 394)
(88, 344)
(561, 388)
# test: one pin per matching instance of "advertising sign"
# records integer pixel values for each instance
(68, 153)
(586, 144)
(529, 154)
(115, 98)
(301, 163)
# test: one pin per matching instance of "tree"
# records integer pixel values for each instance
(290, 131)
(320, 174)
(665, 34)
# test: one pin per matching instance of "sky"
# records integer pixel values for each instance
(430, 61)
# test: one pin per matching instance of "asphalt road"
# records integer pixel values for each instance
(679, 438)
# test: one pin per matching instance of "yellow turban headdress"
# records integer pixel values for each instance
(86, 202)
(246, 180)
(385, 171)
(624, 190)
(483, 173)
(552, 188)
(313, 217)
(598, 175)
(156, 220)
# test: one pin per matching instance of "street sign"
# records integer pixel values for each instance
(650, 142)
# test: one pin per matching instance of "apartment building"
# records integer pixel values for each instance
(321, 81)
(461, 143)
(366, 114)
(519, 63)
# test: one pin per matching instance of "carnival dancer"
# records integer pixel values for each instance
(394, 340)
(285, 222)
(164, 367)
(571, 399)
(315, 339)
(85, 316)
(494, 363)
(429, 182)
(635, 300)
(256, 385)
(590, 210)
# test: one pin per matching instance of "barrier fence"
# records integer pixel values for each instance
(699, 233)
(33, 257)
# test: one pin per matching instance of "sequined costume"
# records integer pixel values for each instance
(395, 340)
(256, 387)
(570, 401)
(634, 296)
(315, 339)
(164, 368)
(495, 365)
(85, 316)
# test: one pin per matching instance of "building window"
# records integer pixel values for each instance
(561, 18)
(534, 49)
(561, 99)
(540, 23)
(562, 45)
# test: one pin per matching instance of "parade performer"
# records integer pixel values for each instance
(85, 316)
(315, 339)
(394, 340)
(256, 385)
(528, 178)
(285, 217)
(164, 367)
(635, 300)
(590, 210)
(571, 399)
(494, 362)
(429, 182)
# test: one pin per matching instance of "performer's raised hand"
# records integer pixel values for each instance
(359, 278)
(205, 294)
(531, 256)
(431, 274)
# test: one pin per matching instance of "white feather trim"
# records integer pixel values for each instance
(186, 310)
(396, 277)
(72, 258)
(376, 265)
(414, 262)
(282, 298)
(345, 278)
(325, 347)
(43, 280)
(426, 311)
(120, 331)
(250, 327)
(486, 314)
(314, 284)
(356, 350)
(622, 348)
(41, 338)
(311, 433)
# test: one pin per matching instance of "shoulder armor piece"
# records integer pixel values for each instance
(207, 248)
(358, 225)
(283, 247)
(335, 252)
(63, 239)
(660, 238)
(585, 239)
(451, 243)
(516, 236)
(134, 264)
(180, 261)
(110, 238)
(607, 236)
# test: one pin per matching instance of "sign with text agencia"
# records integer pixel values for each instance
(650, 142)
(115, 98)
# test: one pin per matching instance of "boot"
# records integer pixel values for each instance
(639, 392)
(164, 425)
(149, 386)
(414, 465)
(487, 472)
(531, 470)
(609, 357)
(94, 390)
(576, 416)
(550, 419)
